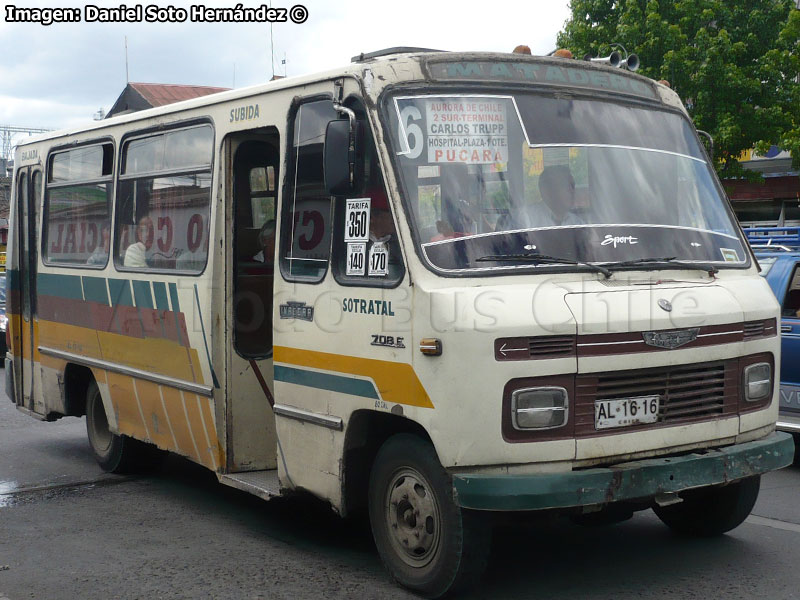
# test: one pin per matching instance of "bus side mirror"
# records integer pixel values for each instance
(341, 155)
(708, 143)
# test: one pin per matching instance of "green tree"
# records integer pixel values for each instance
(734, 63)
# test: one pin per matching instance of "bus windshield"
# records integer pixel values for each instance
(492, 181)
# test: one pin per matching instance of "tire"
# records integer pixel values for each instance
(427, 543)
(712, 511)
(114, 453)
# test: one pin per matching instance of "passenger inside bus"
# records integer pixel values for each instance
(381, 224)
(457, 215)
(266, 239)
(100, 254)
(136, 253)
(456, 221)
(557, 188)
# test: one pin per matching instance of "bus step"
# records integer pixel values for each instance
(263, 484)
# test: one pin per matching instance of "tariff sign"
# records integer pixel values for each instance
(378, 260)
(356, 223)
(356, 258)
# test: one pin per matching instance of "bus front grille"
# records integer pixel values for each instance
(686, 393)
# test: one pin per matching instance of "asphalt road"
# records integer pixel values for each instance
(67, 530)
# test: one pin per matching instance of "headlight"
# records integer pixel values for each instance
(757, 382)
(539, 408)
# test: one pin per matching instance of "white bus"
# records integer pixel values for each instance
(432, 285)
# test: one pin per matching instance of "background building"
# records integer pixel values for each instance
(776, 200)
(141, 96)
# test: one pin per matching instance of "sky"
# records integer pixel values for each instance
(60, 75)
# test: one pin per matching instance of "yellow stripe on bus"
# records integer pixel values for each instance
(100, 376)
(129, 420)
(156, 355)
(70, 338)
(397, 383)
(180, 426)
(15, 323)
(186, 420)
(211, 425)
(156, 419)
(198, 432)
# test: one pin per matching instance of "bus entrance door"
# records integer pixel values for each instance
(251, 442)
(29, 191)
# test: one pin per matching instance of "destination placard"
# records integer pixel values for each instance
(467, 130)
(570, 75)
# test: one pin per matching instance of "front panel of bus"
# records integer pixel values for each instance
(573, 246)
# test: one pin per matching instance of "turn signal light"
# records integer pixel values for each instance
(430, 346)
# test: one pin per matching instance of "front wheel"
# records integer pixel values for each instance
(427, 542)
(712, 511)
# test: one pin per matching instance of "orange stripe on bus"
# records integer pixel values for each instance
(154, 415)
(159, 356)
(397, 383)
(211, 426)
(180, 427)
(125, 406)
(197, 429)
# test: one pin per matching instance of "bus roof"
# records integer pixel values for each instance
(404, 64)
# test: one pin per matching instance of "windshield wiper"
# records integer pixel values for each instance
(543, 259)
(670, 260)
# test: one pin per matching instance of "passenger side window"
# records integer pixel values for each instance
(366, 251)
(306, 220)
(164, 201)
(77, 208)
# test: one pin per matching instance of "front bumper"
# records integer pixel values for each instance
(788, 423)
(635, 480)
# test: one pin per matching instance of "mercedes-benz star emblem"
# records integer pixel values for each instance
(665, 304)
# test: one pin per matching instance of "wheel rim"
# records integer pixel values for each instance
(413, 517)
(99, 433)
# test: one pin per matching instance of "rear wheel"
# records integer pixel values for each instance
(426, 541)
(114, 453)
(712, 511)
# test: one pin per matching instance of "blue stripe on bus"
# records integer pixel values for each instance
(95, 290)
(12, 279)
(173, 294)
(160, 292)
(60, 286)
(326, 381)
(141, 292)
(120, 292)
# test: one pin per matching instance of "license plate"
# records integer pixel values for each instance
(625, 411)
